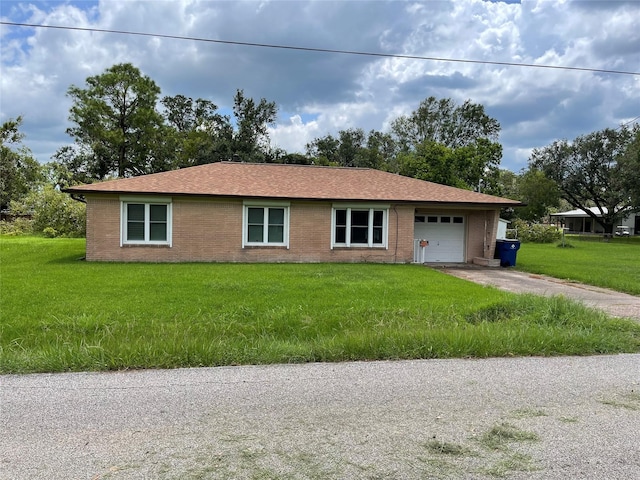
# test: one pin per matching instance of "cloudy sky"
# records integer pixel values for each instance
(321, 93)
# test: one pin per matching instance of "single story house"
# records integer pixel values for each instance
(579, 221)
(248, 212)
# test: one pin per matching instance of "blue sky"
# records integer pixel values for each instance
(321, 93)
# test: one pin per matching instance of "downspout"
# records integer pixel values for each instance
(395, 252)
(485, 244)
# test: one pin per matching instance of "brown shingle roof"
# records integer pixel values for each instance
(291, 181)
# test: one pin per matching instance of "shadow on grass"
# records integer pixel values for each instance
(67, 259)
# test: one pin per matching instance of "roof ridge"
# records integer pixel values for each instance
(229, 162)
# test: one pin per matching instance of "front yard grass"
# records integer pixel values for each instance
(614, 264)
(59, 313)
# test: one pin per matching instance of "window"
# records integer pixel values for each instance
(359, 227)
(266, 225)
(146, 222)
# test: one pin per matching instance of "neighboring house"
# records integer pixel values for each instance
(247, 212)
(578, 221)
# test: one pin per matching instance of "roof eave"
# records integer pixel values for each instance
(82, 191)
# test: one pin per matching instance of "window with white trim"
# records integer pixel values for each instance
(359, 227)
(266, 225)
(146, 222)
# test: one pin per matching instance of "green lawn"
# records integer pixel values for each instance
(59, 313)
(614, 264)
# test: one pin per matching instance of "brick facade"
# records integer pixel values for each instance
(210, 230)
(482, 227)
(207, 209)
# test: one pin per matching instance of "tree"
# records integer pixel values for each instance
(380, 152)
(351, 145)
(250, 140)
(354, 148)
(444, 122)
(593, 170)
(198, 133)
(538, 193)
(71, 165)
(117, 129)
(469, 134)
(630, 164)
(54, 213)
(19, 171)
(294, 159)
(324, 150)
(477, 166)
(430, 161)
(469, 167)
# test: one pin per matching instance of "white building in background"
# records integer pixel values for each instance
(578, 221)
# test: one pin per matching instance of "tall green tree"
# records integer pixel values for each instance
(538, 193)
(19, 171)
(198, 134)
(380, 152)
(354, 148)
(593, 171)
(324, 150)
(469, 167)
(443, 121)
(351, 148)
(117, 129)
(250, 141)
(630, 164)
(466, 131)
(430, 161)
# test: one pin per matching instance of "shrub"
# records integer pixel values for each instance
(537, 232)
(55, 214)
(49, 232)
(18, 226)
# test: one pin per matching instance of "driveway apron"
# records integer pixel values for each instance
(614, 303)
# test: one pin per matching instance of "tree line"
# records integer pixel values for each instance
(122, 127)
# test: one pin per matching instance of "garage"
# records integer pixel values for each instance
(439, 238)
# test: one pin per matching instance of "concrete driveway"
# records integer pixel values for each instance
(615, 303)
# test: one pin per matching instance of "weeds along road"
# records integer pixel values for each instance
(540, 418)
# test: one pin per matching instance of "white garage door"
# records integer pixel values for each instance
(438, 238)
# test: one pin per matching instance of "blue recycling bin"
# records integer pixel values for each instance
(507, 251)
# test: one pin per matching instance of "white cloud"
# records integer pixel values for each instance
(323, 93)
(294, 136)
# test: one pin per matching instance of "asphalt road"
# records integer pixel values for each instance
(557, 418)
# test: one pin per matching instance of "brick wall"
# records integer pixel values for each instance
(480, 244)
(210, 230)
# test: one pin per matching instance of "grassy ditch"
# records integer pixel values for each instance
(63, 314)
(614, 264)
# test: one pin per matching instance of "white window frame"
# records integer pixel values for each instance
(265, 205)
(147, 202)
(360, 207)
